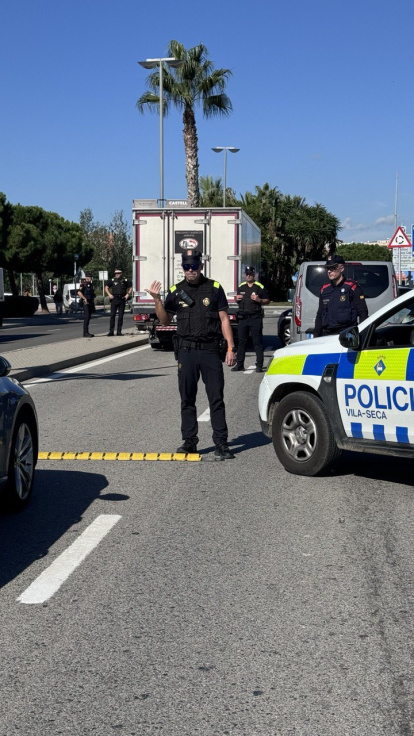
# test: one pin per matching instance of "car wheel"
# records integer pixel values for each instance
(284, 333)
(302, 435)
(21, 464)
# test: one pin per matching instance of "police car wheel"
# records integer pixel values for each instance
(302, 435)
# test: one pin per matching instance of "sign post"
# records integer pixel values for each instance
(401, 241)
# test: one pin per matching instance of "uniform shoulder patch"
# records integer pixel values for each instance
(259, 284)
(325, 286)
(173, 288)
(243, 283)
(216, 285)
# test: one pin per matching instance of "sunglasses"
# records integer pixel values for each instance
(191, 266)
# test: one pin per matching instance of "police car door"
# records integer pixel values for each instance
(376, 385)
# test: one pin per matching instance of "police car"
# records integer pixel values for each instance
(350, 391)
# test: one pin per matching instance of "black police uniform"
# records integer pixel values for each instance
(198, 336)
(119, 288)
(89, 294)
(340, 306)
(250, 317)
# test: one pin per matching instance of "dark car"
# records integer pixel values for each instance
(18, 441)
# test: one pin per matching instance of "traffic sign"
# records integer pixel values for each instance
(399, 239)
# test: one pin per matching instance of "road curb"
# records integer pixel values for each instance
(51, 366)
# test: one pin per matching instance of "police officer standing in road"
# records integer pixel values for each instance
(121, 291)
(87, 293)
(341, 303)
(202, 320)
(251, 296)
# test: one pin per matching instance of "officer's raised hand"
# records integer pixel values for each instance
(154, 290)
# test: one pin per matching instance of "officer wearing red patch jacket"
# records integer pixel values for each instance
(341, 303)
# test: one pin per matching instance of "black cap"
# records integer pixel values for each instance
(249, 269)
(191, 256)
(88, 273)
(335, 261)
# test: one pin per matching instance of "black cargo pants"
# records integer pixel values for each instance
(251, 325)
(192, 363)
(117, 305)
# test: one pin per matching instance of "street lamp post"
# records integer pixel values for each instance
(219, 149)
(152, 64)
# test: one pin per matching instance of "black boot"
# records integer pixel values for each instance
(188, 446)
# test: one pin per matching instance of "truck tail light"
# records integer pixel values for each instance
(298, 305)
(141, 317)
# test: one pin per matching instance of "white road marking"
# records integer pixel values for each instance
(250, 369)
(205, 416)
(85, 366)
(55, 575)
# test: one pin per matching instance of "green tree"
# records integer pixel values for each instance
(292, 231)
(41, 242)
(111, 244)
(363, 252)
(195, 83)
(6, 221)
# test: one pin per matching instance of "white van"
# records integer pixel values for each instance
(71, 301)
(376, 278)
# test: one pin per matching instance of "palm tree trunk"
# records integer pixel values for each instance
(191, 157)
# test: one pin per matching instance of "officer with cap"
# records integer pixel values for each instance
(87, 293)
(251, 296)
(121, 291)
(202, 320)
(341, 303)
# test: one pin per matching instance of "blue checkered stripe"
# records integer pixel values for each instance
(378, 430)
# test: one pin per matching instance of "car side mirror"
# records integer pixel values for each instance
(5, 367)
(290, 293)
(349, 338)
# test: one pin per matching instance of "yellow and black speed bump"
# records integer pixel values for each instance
(189, 457)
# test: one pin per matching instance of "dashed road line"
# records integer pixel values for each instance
(163, 456)
(51, 579)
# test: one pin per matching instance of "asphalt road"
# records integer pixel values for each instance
(216, 597)
(43, 329)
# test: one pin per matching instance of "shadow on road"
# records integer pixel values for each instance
(60, 497)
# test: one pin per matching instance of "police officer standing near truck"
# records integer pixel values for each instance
(341, 303)
(251, 296)
(121, 291)
(202, 320)
(87, 294)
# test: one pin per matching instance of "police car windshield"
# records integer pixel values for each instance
(373, 280)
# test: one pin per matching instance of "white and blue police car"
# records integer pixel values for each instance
(350, 391)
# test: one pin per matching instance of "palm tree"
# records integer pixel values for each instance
(194, 83)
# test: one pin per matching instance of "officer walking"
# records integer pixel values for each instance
(202, 320)
(251, 296)
(341, 303)
(87, 293)
(121, 291)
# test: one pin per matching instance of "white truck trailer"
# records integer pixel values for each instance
(228, 239)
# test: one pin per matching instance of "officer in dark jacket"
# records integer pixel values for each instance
(251, 296)
(202, 320)
(121, 291)
(341, 303)
(87, 293)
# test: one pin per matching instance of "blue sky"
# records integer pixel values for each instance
(321, 92)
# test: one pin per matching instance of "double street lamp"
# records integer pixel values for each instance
(219, 149)
(152, 64)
